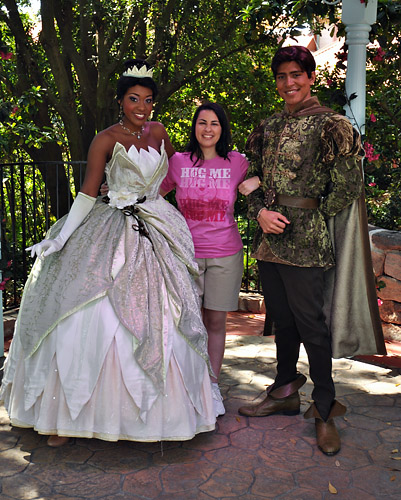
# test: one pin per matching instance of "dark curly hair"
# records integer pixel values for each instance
(297, 53)
(223, 146)
(125, 82)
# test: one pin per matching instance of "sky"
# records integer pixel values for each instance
(35, 5)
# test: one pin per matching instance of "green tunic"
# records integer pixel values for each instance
(310, 153)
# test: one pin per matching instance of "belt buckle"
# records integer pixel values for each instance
(270, 196)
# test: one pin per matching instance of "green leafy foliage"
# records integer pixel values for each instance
(382, 142)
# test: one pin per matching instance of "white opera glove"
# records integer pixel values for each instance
(81, 207)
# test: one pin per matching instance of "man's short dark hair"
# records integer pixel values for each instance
(297, 53)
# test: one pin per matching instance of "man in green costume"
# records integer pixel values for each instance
(311, 244)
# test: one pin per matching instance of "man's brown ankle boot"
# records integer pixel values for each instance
(281, 401)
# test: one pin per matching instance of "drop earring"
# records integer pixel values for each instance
(121, 113)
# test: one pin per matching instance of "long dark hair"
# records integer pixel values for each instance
(125, 82)
(297, 53)
(223, 146)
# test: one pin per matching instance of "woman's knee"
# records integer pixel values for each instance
(215, 321)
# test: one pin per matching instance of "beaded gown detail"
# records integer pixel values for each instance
(109, 341)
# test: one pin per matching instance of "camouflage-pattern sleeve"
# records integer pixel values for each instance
(254, 149)
(341, 152)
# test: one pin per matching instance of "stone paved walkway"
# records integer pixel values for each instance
(260, 458)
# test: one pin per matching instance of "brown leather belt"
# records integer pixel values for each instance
(296, 201)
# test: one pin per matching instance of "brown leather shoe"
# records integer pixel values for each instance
(281, 401)
(327, 437)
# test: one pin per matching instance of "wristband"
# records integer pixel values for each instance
(263, 208)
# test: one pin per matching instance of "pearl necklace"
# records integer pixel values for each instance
(137, 134)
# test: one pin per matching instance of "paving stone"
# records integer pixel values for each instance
(262, 380)
(22, 487)
(227, 483)
(234, 457)
(302, 494)
(369, 400)
(392, 434)
(62, 473)
(69, 453)
(271, 483)
(207, 441)
(118, 496)
(319, 479)
(91, 487)
(119, 460)
(360, 438)
(231, 405)
(245, 391)
(275, 422)
(177, 456)
(378, 481)
(230, 423)
(12, 461)
(383, 413)
(29, 440)
(365, 422)
(385, 455)
(247, 439)
(246, 496)
(384, 387)
(246, 397)
(285, 452)
(56, 496)
(350, 494)
(7, 440)
(187, 495)
(156, 447)
(98, 444)
(145, 483)
(184, 477)
(241, 377)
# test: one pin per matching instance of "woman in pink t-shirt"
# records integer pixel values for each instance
(206, 178)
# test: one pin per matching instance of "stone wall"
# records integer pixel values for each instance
(386, 257)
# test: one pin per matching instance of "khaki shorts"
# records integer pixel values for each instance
(219, 281)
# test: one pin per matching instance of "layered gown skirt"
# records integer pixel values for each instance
(109, 341)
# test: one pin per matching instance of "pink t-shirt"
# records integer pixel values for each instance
(205, 196)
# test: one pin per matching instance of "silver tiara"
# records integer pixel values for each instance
(141, 72)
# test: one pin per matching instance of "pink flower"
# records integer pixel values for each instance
(329, 82)
(372, 184)
(14, 110)
(373, 118)
(6, 55)
(3, 283)
(9, 263)
(369, 152)
(379, 55)
(379, 302)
